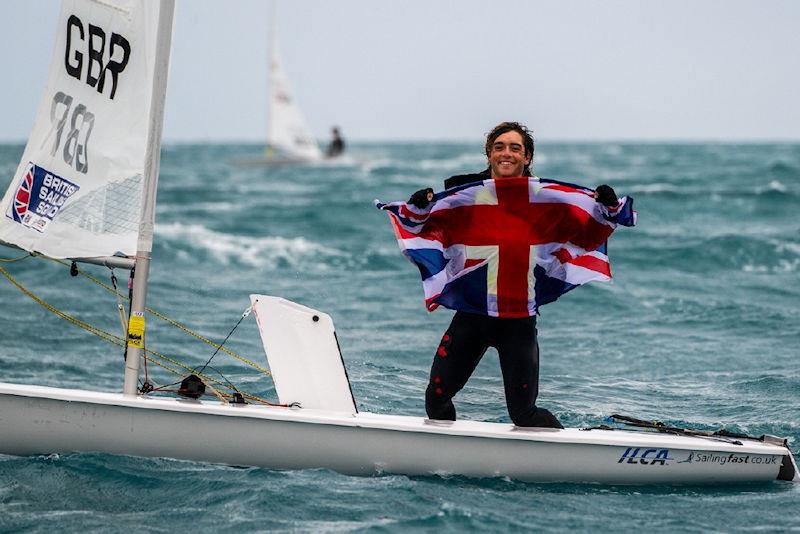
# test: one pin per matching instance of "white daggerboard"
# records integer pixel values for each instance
(78, 190)
(303, 355)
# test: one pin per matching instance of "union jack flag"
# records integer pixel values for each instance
(505, 247)
(22, 198)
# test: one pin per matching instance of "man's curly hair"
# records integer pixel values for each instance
(504, 127)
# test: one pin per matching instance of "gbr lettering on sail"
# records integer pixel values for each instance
(93, 57)
(97, 58)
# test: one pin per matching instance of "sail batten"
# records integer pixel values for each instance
(155, 125)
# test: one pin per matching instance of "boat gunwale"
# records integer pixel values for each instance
(400, 423)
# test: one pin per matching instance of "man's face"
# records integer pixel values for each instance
(507, 156)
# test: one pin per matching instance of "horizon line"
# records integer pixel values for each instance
(457, 140)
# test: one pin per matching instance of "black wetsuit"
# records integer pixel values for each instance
(465, 342)
(336, 147)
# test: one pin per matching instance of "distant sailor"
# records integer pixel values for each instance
(336, 146)
(509, 149)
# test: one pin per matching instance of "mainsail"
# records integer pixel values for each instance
(286, 128)
(87, 176)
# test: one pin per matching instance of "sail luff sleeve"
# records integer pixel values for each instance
(155, 128)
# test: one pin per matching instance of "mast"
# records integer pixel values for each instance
(144, 248)
(271, 44)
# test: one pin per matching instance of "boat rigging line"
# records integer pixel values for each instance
(238, 395)
(719, 435)
(12, 260)
(174, 323)
(242, 318)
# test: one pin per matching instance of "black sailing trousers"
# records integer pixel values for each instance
(461, 348)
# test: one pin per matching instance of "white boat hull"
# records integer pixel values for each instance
(40, 420)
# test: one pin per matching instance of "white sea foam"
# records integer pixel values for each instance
(750, 268)
(8, 170)
(376, 163)
(782, 266)
(255, 251)
(211, 207)
(459, 162)
(774, 185)
(654, 188)
(788, 247)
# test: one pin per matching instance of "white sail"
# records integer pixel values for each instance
(80, 188)
(286, 128)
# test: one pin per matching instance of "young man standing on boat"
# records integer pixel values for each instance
(509, 150)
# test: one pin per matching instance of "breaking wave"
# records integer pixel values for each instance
(226, 249)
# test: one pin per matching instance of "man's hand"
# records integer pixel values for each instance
(605, 195)
(421, 198)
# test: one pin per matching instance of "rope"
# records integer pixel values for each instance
(209, 342)
(215, 392)
(12, 260)
(117, 340)
(177, 325)
(245, 314)
(102, 334)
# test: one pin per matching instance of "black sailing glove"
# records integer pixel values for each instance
(421, 198)
(606, 196)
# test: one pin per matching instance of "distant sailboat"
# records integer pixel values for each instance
(288, 137)
(289, 140)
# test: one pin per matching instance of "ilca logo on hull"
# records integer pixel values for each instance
(641, 456)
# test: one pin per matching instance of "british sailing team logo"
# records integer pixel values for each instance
(39, 197)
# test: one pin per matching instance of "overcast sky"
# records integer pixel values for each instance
(451, 69)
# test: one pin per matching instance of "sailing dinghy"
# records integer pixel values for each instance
(86, 189)
(289, 141)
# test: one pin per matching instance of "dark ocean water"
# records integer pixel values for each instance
(701, 326)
